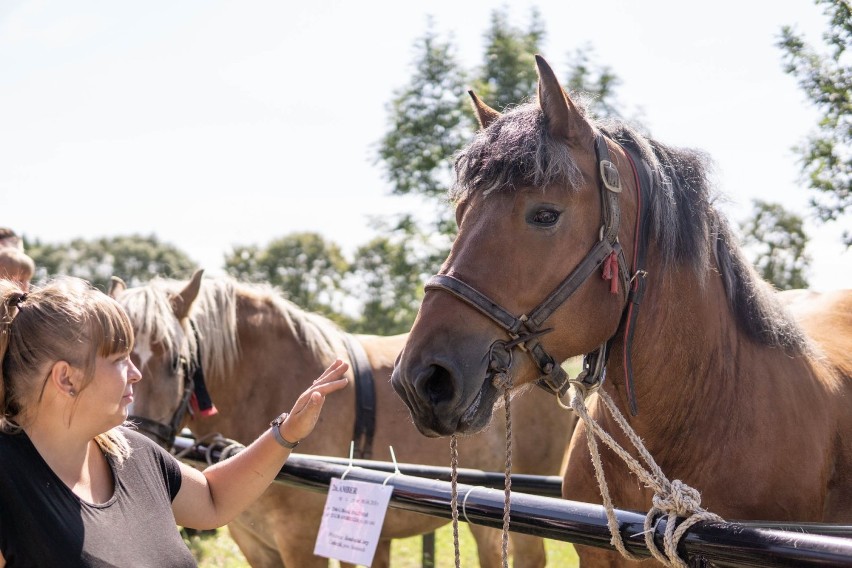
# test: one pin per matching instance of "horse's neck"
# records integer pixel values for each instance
(684, 355)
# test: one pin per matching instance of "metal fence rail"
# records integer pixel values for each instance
(734, 544)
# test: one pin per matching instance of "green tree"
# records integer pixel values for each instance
(427, 121)
(508, 76)
(776, 240)
(307, 268)
(135, 259)
(386, 276)
(826, 78)
(597, 81)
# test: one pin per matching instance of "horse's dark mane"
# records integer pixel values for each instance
(685, 225)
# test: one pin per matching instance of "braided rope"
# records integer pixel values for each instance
(672, 498)
(454, 495)
(507, 490)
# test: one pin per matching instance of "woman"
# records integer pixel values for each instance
(77, 488)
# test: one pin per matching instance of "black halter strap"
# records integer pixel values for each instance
(165, 433)
(365, 398)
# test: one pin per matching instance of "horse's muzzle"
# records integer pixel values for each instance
(439, 403)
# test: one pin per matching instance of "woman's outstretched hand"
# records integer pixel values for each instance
(306, 410)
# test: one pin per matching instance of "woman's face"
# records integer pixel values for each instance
(111, 390)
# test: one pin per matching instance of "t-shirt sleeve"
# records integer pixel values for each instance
(167, 463)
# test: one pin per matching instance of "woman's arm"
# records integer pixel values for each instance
(211, 498)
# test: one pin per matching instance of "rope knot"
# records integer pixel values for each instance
(680, 499)
(501, 381)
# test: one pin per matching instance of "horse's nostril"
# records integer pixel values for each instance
(438, 385)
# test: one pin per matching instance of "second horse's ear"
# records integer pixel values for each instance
(117, 286)
(484, 113)
(184, 299)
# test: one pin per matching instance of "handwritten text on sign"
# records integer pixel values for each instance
(352, 521)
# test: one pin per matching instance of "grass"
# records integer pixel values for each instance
(217, 550)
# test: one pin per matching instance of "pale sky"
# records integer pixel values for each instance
(219, 123)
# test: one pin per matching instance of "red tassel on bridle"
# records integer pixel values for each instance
(610, 272)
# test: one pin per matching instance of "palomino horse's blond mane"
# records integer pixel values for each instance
(214, 315)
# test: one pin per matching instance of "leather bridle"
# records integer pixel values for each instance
(525, 330)
(193, 385)
(165, 433)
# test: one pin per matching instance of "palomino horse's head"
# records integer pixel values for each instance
(539, 193)
(164, 351)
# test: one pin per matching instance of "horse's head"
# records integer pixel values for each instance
(165, 353)
(538, 197)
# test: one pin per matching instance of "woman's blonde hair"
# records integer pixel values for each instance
(65, 320)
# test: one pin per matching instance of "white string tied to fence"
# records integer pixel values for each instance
(672, 498)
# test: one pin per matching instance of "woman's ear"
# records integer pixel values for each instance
(64, 378)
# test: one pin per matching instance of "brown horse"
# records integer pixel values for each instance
(743, 399)
(258, 352)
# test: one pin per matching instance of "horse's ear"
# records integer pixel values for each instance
(484, 113)
(562, 117)
(117, 286)
(184, 299)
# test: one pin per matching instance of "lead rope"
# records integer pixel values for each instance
(673, 498)
(454, 492)
(504, 382)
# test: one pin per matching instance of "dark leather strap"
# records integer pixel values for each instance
(365, 398)
(645, 185)
(476, 299)
(166, 433)
(610, 189)
(202, 403)
(592, 262)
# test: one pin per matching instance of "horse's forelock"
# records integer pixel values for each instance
(151, 312)
(514, 151)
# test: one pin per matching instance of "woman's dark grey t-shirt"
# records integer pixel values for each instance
(43, 523)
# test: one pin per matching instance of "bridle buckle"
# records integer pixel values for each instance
(609, 176)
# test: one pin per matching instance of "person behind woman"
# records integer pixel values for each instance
(15, 264)
(77, 487)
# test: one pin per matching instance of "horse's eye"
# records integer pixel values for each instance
(545, 217)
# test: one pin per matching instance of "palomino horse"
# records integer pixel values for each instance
(743, 400)
(258, 352)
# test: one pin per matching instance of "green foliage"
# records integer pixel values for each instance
(826, 79)
(306, 267)
(135, 259)
(596, 81)
(508, 76)
(427, 121)
(386, 278)
(777, 241)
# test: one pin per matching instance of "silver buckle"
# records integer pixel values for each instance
(610, 177)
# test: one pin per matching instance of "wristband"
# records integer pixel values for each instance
(276, 432)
